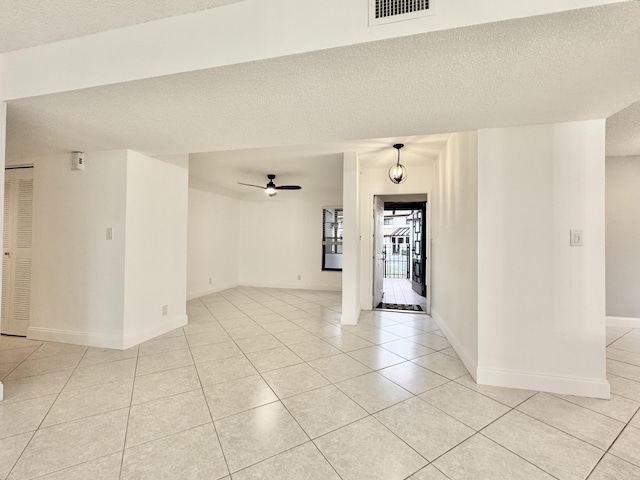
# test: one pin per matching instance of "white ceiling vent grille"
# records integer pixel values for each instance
(387, 11)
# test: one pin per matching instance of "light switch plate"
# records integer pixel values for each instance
(576, 238)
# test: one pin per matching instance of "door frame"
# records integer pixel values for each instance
(403, 198)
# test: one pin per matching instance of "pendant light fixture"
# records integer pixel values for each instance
(398, 172)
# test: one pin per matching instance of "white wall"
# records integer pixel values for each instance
(155, 263)
(454, 251)
(374, 182)
(213, 240)
(541, 302)
(352, 244)
(77, 274)
(623, 238)
(281, 238)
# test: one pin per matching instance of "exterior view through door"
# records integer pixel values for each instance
(400, 256)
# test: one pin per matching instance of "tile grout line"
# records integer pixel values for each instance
(206, 401)
(126, 429)
(48, 410)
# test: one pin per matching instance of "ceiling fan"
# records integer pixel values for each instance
(271, 189)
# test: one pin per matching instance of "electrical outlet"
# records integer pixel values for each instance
(209, 280)
(165, 310)
(299, 277)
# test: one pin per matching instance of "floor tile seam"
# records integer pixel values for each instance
(624, 424)
(126, 429)
(103, 363)
(284, 451)
(637, 465)
(600, 413)
(373, 416)
(567, 433)
(215, 429)
(382, 409)
(344, 379)
(142, 375)
(512, 407)
(625, 362)
(24, 449)
(636, 365)
(476, 430)
(39, 427)
(380, 368)
(282, 399)
(163, 352)
(523, 458)
(634, 349)
(438, 373)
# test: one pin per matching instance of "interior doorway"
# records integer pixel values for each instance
(401, 262)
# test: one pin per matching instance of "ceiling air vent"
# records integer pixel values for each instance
(387, 11)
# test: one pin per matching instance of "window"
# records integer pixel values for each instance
(409, 221)
(388, 221)
(332, 239)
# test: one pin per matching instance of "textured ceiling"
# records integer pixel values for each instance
(623, 132)
(315, 166)
(27, 23)
(577, 65)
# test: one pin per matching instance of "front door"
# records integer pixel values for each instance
(418, 249)
(378, 251)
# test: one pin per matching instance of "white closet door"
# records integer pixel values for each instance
(16, 260)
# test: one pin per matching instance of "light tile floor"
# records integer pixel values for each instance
(398, 290)
(265, 383)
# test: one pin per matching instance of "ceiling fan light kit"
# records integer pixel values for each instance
(271, 189)
(398, 172)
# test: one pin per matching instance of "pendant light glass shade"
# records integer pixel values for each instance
(398, 172)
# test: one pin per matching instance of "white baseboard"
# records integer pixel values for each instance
(1, 392)
(465, 357)
(581, 387)
(105, 341)
(209, 291)
(158, 329)
(626, 322)
(73, 337)
(293, 286)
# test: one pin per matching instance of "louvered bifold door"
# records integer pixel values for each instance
(6, 256)
(16, 295)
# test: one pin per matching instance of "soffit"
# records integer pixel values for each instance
(576, 65)
(29, 23)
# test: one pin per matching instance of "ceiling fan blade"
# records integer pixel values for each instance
(289, 187)
(250, 185)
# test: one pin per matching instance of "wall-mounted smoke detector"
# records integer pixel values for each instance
(388, 11)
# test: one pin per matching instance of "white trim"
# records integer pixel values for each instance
(628, 322)
(326, 288)
(582, 387)
(1, 392)
(76, 338)
(209, 291)
(159, 329)
(105, 341)
(465, 357)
